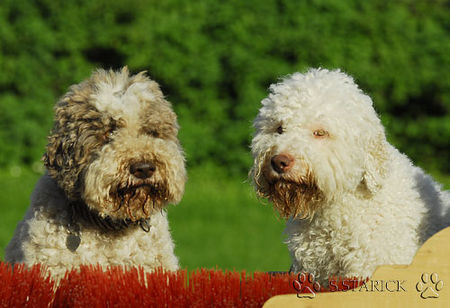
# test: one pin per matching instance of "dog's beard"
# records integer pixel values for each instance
(298, 198)
(139, 201)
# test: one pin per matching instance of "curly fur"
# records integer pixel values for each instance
(352, 200)
(103, 126)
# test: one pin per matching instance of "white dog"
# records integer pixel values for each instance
(114, 162)
(352, 200)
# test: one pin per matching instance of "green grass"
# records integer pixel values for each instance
(221, 223)
(15, 194)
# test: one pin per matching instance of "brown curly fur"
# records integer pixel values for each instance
(81, 132)
(291, 196)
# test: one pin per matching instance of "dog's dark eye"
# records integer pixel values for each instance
(107, 134)
(280, 130)
(153, 133)
(320, 133)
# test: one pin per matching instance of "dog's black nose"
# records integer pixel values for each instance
(282, 163)
(142, 170)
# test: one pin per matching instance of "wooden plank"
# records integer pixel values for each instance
(423, 283)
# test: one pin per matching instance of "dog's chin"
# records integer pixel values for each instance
(137, 202)
(297, 199)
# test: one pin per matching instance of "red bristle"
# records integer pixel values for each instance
(225, 288)
(94, 287)
(24, 286)
(6, 285)
(81, 287)
(124, 287)
(259, 288)
(231, 290)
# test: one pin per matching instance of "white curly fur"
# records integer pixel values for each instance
(137, 105)
(374, 208)
(41, 238)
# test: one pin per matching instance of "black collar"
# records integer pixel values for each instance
(81, 211)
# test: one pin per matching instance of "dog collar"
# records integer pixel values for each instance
(80, 210)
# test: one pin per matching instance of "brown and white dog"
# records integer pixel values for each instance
(113, 163)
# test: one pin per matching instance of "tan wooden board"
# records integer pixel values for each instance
(423, 283)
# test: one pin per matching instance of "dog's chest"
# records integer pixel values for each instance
(353, 237)
(54, 241)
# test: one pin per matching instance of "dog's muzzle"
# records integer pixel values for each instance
(142, 170)
(293, 195)
(282, 163)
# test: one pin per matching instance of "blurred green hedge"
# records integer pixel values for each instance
(216, 59)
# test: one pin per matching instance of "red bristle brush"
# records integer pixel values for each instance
(21, 286)
(91, 286)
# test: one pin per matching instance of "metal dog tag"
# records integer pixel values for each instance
(72, 242)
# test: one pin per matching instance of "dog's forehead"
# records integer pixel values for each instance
(304, 98)
(299, 113)
(120, 101)
(135, 103)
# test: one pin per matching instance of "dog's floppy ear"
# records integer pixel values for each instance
(63, 158)
(60, 151)
(375, 165)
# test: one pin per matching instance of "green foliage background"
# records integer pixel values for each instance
(215, 61)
